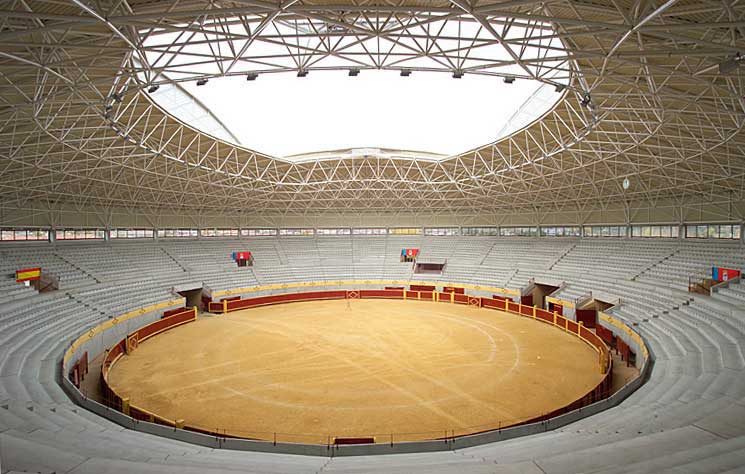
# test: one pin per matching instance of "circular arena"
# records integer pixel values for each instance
(299, 236)
(312, 371)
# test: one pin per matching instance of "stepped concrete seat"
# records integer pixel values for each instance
(36, 457)
(693, 402)
(627, 450)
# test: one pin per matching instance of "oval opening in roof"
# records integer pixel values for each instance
(283, 115)
(466, 87)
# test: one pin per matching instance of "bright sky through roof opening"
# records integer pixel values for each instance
(281, 114)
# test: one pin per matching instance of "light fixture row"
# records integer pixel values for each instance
(354, 72)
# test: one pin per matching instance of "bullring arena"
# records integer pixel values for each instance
(451, 236)
(307, 372)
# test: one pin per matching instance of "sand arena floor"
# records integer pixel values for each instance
(314, 370)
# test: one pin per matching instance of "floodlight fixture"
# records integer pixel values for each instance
(509, 79)
(587, 99)
(302, 73)
(730, 64)
(201, 82)
(354, 72)
(251, 76)
(405, 72)
(457, 74)
(152, 89)
(560, 88)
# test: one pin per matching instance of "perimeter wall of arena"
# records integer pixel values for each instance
(116, 334)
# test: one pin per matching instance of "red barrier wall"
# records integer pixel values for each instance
(421, 287)
(493, 303)
(561, 321)
(572, 326)
(173, 311)
(165, 324)
(544, 315)
(462, 299)
(286, 298)
(588, 317)
(110, 397)
(83, 366)
(625, 351)
(358, 440)
(453, 289)
(605, 334)
(394, 293)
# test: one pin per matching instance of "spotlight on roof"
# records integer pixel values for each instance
(251, 76)
(405, 72)
(457, 74)
(302, 73)
(116, 97)
(152, 89)
(560, 87)
(587, 99)
(201, 82)
(730, 64)
(354, 72)
(509, 79)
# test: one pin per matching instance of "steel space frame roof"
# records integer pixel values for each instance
(653, 93)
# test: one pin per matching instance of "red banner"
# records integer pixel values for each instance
(719, 274)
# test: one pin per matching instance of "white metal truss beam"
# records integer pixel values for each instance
(77, 129)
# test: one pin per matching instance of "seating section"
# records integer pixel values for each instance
(689, 417)
(123, 261)
(694, 260)
(12, 290)
(50, 260)
(734, 294)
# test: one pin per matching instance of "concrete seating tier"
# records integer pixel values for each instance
(689, 417)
